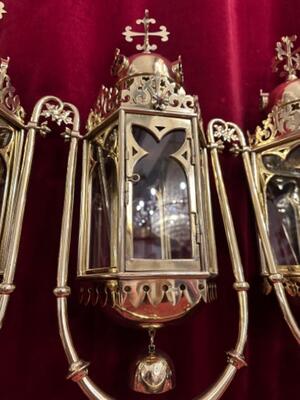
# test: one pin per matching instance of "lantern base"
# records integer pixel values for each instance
(153, 374)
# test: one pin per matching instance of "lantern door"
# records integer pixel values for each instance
(163, 226)
(279, 176)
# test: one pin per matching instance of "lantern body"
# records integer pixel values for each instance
(146, 230)
(11, 158)
(276, 166)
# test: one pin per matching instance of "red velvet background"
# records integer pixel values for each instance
(66, 48)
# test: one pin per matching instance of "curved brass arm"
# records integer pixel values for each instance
(241, 146)
(79, 369)
(48, 107)
(235, 357)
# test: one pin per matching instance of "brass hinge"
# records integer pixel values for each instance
(127, 192)
(193, 154)
(197, 227)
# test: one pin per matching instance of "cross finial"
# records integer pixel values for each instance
(2, 10)
(146, 21)
(290, 57)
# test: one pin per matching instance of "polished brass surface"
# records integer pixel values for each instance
(153, 374)
(283, 104)
(149, 301)
(146, 21)
(286, 54)
(147, 287)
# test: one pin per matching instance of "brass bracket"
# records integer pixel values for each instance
(43, 129)
(236, 149)
(62, 291)
(275, 278)
(237, 360)
(216, 145)
(69, 134)
(6, 288)
(78, 370)
(241, 286)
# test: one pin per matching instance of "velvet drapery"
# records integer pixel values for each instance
(65, 48)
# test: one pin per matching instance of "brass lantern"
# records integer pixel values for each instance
(16, 153)
(272, 163)
(17, 142)
(146, 241)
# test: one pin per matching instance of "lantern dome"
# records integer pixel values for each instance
(147, 64)
(283, 103)
(284, 93)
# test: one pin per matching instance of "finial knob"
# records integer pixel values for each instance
(146, 21)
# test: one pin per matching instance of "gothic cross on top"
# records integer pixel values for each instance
(2, 10)
(290, 57)
(146, 21)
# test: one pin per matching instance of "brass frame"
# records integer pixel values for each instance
(138, 116)
(149, 93)
(274, 273)
(78, 369)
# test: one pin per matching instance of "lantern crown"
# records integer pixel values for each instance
(283, 103)
(147, 64)
(144, 80)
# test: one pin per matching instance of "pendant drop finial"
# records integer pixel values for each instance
(153, 373)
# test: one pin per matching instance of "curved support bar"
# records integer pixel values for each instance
(78, 371)
(231, 133)
(48, 107)
(235, 357)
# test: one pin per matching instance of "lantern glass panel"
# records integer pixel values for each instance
(5, 138)
(160, 209)
(2, 179)
(283, 205)
(103, 209)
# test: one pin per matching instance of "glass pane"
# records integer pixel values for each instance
(283, 204)
(2, 180)
(100, 218)
(5, 136)
(161, 216)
